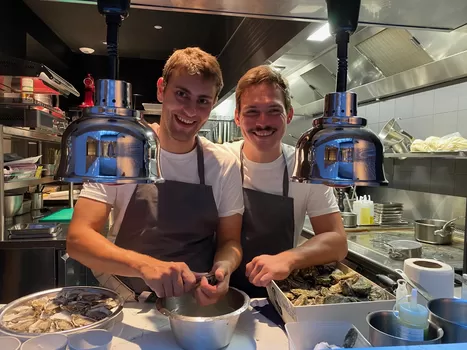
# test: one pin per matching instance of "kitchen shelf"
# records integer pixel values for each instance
(30, 134)
(420, 155)
(12, 185)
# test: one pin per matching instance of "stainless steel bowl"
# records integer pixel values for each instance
(106, 323)
(451, 315)
(204, 327)
(349, 219)
(384, 331)
(12, 204)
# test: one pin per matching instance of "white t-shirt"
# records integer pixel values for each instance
(311, 199)
(221, 171)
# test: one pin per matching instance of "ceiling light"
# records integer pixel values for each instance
(86, 50)
(321, 34)
(104, 42)
(158, 27)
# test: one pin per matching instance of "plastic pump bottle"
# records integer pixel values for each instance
(401, 292)
(413, 319)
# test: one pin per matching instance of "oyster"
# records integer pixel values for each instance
(336, 288)
(350, 338)
(77, 307)
(40, 326)
(289, 295)
(325, 280)
(98, 313)
(361, 287)
(301, 300)
(346, 289)
(89, 296)
(39, 303)
(319, 300)
(324, 291)
(62, 325)
(22, 325)
(308, 293)
(377, 294)
(19, 313)
(337, 275)
(339, 299)
(81, 321)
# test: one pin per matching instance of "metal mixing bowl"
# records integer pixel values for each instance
(106, 323)
(12, 204)
(204, 327)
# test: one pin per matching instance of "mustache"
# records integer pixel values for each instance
(266, 128)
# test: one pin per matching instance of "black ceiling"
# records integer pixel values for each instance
(81, 25)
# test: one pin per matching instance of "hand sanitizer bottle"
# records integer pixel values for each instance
(413, 319)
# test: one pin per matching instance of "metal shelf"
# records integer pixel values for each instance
(443, 155)
(30, 134)
(12, 185)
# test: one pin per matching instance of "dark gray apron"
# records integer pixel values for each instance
(267, 228)
(171, 221)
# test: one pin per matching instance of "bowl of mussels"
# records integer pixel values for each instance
(62, 310)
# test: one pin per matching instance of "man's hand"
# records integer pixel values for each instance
(206, 294)
(167, 279)
(265, 268)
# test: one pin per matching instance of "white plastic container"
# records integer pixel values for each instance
(306, 335)
(96, 339)
(46, 342)
(9, 343)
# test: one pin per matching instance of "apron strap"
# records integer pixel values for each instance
(200, 158)
(285, 179)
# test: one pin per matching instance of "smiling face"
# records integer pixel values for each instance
(187, 101)
(262, 116)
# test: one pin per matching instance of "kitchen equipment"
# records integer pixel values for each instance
(430, 231)
(451, 315)
(89, 89)
(384, 329)
(204, 327)
(111, 143)
(25, 207)
(37, 201)
(46, 342)
(34, 230)
(339, 150)
(349, 219)
(48, 169)
(448, 227)
(62, 215)
(436, 277)
(448, 313)
(106, 323)
(395, 138)
(96, 339)
(12, 204)
(404, 249)
(305, 335)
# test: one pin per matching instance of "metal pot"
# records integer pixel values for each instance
(430, 231)
(349, 219)
(384, 330)
(404, 249)
(12, 203)
(451, 315)
(204, 327)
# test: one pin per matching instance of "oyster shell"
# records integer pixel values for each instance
(289, 295)
(81, 321)
(22, 325)
(98, 313)
(301, 300)
(40, 326)
(308, 293)
(19, 313)
(361, 287)
(89, 296)
(62, 325)
(39, 303)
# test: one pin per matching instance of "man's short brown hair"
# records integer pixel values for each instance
(194, 61)
(259, 75)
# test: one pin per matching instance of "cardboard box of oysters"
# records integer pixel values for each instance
(332, 292)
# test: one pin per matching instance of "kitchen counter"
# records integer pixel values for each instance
(143, 327)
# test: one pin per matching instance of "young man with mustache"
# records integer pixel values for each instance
(275, 208)
(167, 232)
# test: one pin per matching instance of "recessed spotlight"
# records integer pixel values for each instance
(104, 42)
(158, 27)
(86, 50)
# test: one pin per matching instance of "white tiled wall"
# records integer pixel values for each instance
(437, 112)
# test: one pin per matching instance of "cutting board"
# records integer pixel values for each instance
(63, 215)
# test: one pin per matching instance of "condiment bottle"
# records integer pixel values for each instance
(401, 292)
(413, 319)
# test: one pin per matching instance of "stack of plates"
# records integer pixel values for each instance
(388, 213)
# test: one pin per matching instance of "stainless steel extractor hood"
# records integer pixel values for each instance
(383, 62)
